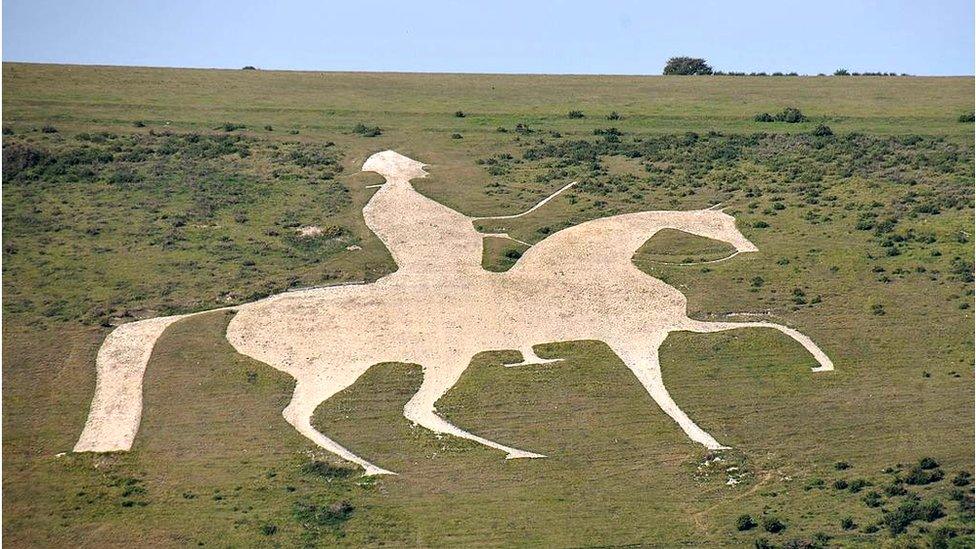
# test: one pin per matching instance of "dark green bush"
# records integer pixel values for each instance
(459, 114)
(822, 130)
(773, 524)
(576, 114)
(367, 131)
(872, 499)
(857, 485)
(18, 157)
(841, 72)
(928, 463)
(909, 511)
(614, 115)
(764, 117)
(847, 523)
(687, 66)
(48, 129)
(456, 136)
(967, 117)
(962, 478)
(918, 476)
(269, 529)
(744, 522)
(791, 115)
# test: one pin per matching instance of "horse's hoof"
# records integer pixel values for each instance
(373, 470)
(517, 454)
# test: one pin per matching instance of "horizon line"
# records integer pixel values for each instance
(475, 73)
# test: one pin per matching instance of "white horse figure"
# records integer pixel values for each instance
(439, 309)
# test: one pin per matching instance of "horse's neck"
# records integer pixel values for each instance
(420, 232)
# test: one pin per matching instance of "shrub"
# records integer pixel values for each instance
(909, 511)
(823, 130)
(872, 499)
(18, 157)
(877, 309)
(840, 484)
(773, 524)
(762, 543)
(8, 131)
(576, 114)
(896, 488)
(323, 515)
(791, 115)
(764, 117)
(48, 129)
(268, 128)
(614, 115)
(760, 225)
(928, 463)
(459, 114)
(920, 477)
(967, 117)
(456, 136)
(962, 478)
(230, 126)
(842, 465)
(847, 523)
(744, 522)
(841, 72)
(249, 68)
(931, 510)
(139, 124)
(367, 131)
(687, 66)
(513, 254)
(857, 485)
(269, 529)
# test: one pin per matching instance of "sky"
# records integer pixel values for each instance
(924, 37)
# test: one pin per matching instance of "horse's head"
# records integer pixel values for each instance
(393, 166)
(717, 225)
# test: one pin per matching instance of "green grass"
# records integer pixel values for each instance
(865, 245)
(674, 246)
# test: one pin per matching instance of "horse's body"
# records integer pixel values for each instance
(440, 308)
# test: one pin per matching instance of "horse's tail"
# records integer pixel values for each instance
(116, 409)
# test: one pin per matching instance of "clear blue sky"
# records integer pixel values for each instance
(609, 37)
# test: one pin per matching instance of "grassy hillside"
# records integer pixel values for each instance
(131, 193)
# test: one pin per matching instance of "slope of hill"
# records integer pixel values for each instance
(133, 192)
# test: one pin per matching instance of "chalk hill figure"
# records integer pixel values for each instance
(439, 309)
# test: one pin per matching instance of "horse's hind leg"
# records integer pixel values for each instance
(707, 327)
(308, 395)
(420, 409)
(642, 359)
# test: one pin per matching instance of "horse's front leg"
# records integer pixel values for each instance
(438, 380)
(641, 357)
